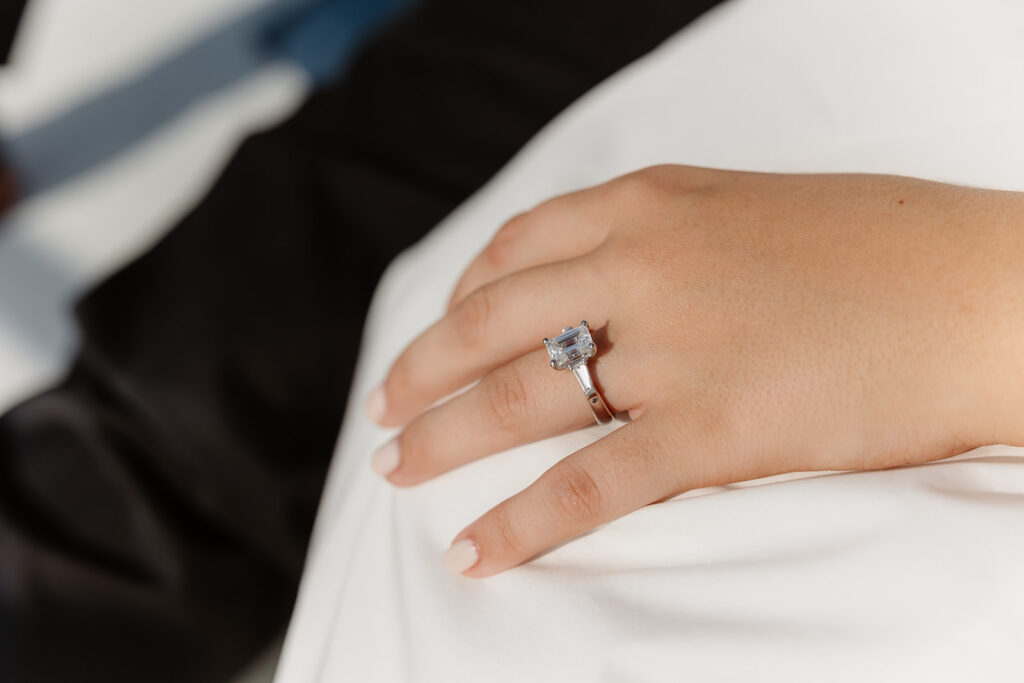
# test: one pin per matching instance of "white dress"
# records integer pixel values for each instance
(902, 575)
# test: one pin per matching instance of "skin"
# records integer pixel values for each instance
(749, 324)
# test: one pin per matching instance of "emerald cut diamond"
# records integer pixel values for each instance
(570, 351)
(573, 347)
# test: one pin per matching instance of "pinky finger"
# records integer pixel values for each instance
(622, 472)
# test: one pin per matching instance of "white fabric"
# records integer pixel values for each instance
(903, 575)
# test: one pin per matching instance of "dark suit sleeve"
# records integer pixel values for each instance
(156, 505)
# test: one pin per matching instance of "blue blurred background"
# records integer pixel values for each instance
(318, 36)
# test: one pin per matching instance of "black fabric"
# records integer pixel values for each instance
(155, 506)
(10, 18)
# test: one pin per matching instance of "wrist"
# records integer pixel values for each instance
(993, 317)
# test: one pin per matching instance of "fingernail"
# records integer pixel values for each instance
(385, 459)
(461, 556)
(376, 404)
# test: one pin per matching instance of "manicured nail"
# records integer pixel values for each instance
(377, 404)
(385, 459)
(461, 556)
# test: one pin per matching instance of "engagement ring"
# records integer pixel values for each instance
(570, 351)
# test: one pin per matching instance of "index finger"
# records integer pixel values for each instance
(559, 229)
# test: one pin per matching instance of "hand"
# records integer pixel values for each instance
(749, 324)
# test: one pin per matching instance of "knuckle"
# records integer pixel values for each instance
(470, 317)
(511, 230)
(512, 226)
(689, 188)
(496, 253)
(506, 533)
(575, 494)
(507, 399)
(642, 185)
(502, 245)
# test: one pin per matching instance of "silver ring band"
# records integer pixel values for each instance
(571, 350)
(594, 398)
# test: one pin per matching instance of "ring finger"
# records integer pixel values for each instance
(521, 402)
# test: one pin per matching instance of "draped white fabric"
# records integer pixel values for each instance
(901, 575)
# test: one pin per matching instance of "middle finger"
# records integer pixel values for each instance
(518, 403)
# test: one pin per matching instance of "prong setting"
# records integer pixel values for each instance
(571, 350)
(574, 346)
